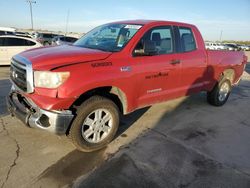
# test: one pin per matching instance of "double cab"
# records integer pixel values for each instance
(82, 89)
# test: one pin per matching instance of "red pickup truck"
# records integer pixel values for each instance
(80, 90)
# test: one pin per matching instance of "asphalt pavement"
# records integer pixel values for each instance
(191, 144)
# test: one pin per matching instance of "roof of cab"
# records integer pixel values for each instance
(146, 22)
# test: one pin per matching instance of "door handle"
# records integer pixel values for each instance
(175, 61)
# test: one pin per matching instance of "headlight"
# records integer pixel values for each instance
(48, 79)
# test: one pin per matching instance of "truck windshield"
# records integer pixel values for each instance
(109, 37)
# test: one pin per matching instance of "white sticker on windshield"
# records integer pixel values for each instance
(133, 26)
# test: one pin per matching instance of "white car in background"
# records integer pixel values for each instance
(7, 31)
(11, 45)
(215, 46)
(244, 47)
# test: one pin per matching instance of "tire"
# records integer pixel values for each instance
(95, 124)
(220, 93)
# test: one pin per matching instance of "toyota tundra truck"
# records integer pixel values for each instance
(81, 90)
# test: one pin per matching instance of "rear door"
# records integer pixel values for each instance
(158, 74)
(193, 62)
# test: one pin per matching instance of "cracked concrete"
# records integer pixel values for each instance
(24, 158)
(14, 163)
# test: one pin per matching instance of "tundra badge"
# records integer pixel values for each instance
(126, 69)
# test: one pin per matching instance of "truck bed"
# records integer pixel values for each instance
(220, 60)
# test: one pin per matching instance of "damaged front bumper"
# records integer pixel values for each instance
(31, 115)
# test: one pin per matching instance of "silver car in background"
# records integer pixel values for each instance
(60, 40)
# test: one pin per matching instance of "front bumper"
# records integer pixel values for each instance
(31, 115)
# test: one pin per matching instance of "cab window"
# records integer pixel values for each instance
(160, 37)
(187, 39)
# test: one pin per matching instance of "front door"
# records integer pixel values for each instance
(158, 74)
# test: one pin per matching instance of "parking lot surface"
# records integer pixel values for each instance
(180, 143)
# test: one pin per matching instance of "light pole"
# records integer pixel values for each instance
(221, 35)
(67, 22)
(31, 14)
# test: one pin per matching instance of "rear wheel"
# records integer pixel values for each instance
(95, 125)
(220, 93)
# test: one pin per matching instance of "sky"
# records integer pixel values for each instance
(231, 18)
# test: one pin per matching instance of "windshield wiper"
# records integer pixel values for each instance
(105, 50)
(115, 50)
(95, 48)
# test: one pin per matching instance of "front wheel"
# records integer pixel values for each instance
(220, 93)
(95, 125)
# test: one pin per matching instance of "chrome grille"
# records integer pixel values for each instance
(21, 74)
(18, 75)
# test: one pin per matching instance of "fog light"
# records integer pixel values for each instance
(44, 121)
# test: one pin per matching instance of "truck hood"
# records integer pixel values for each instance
(47, 58)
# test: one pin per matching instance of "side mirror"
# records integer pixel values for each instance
(149, 48)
